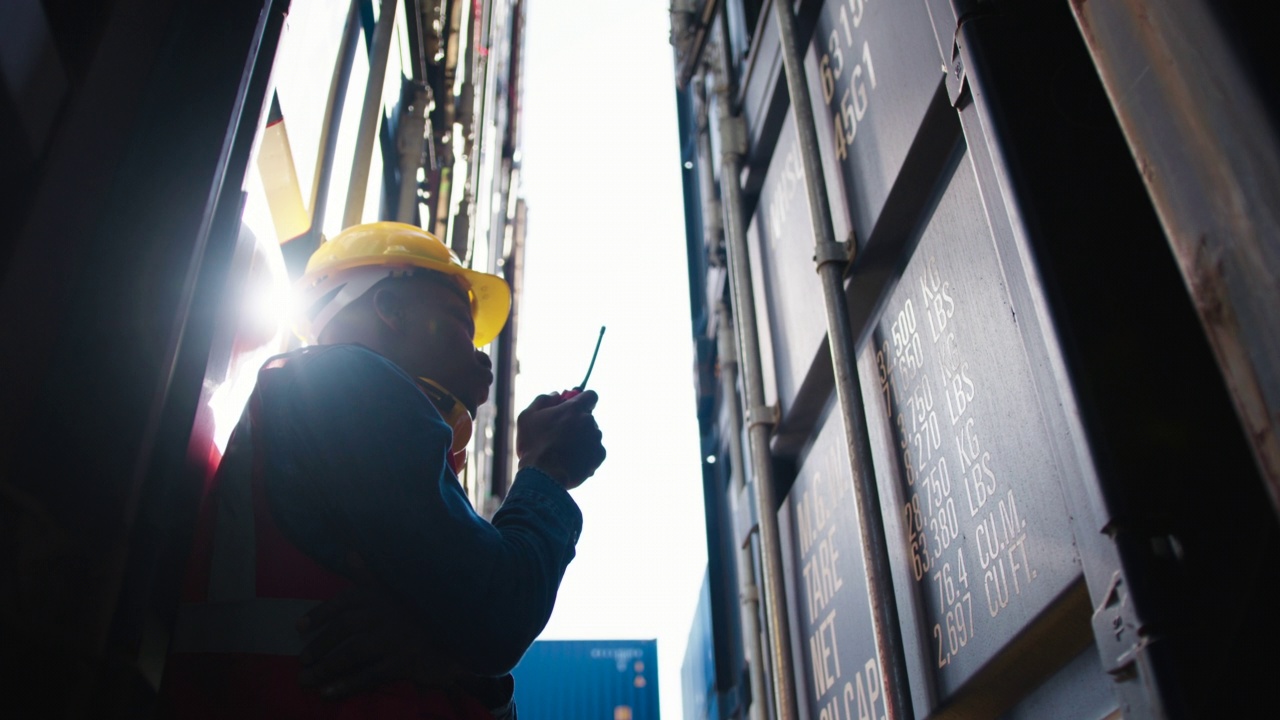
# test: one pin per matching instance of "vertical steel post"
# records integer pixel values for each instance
(411, 141)
(332, 121)
(727, 363)
(299, 249)
(748, 593)
(713, 225)
(726, 356)
(831, 258)
(368, 133)
(760, 417)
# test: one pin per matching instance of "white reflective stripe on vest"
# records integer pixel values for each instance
(234, 620)
(265, 626)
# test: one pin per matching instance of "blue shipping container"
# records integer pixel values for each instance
(588, 680)
(698, 674)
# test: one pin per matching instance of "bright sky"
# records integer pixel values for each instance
(605, 246)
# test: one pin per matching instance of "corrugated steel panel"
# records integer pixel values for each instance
(837, 675)
(1073, 692)
(588, 680)
(968, 475)
(1041, 408)
(872, 70)
(780, 241)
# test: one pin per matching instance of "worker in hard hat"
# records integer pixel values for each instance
(340, 483)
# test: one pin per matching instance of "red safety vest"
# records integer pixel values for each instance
(234, 651)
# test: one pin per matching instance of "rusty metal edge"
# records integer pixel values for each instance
(1210, 159)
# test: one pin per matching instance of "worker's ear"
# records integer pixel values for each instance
(390, 309)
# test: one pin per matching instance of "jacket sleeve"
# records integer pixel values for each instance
(356, 459)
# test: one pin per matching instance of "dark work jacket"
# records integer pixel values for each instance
(356, 459)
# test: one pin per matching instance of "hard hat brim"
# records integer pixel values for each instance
(490, 303)
(490, 294)
(363, 254)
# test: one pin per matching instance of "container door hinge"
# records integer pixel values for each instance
(1120, 634)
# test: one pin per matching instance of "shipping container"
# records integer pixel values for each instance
(708, 676)
(588, 680)
(984, 303)
(697, 674)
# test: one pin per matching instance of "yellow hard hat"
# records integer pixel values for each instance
(357, 258)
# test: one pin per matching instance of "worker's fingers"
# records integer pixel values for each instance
(583, 428)
(584, 402)
(592, 454)
(542, 402)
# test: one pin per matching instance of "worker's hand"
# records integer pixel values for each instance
(363, 638)
(560, 437)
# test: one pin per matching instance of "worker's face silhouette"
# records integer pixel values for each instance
(428, 329)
